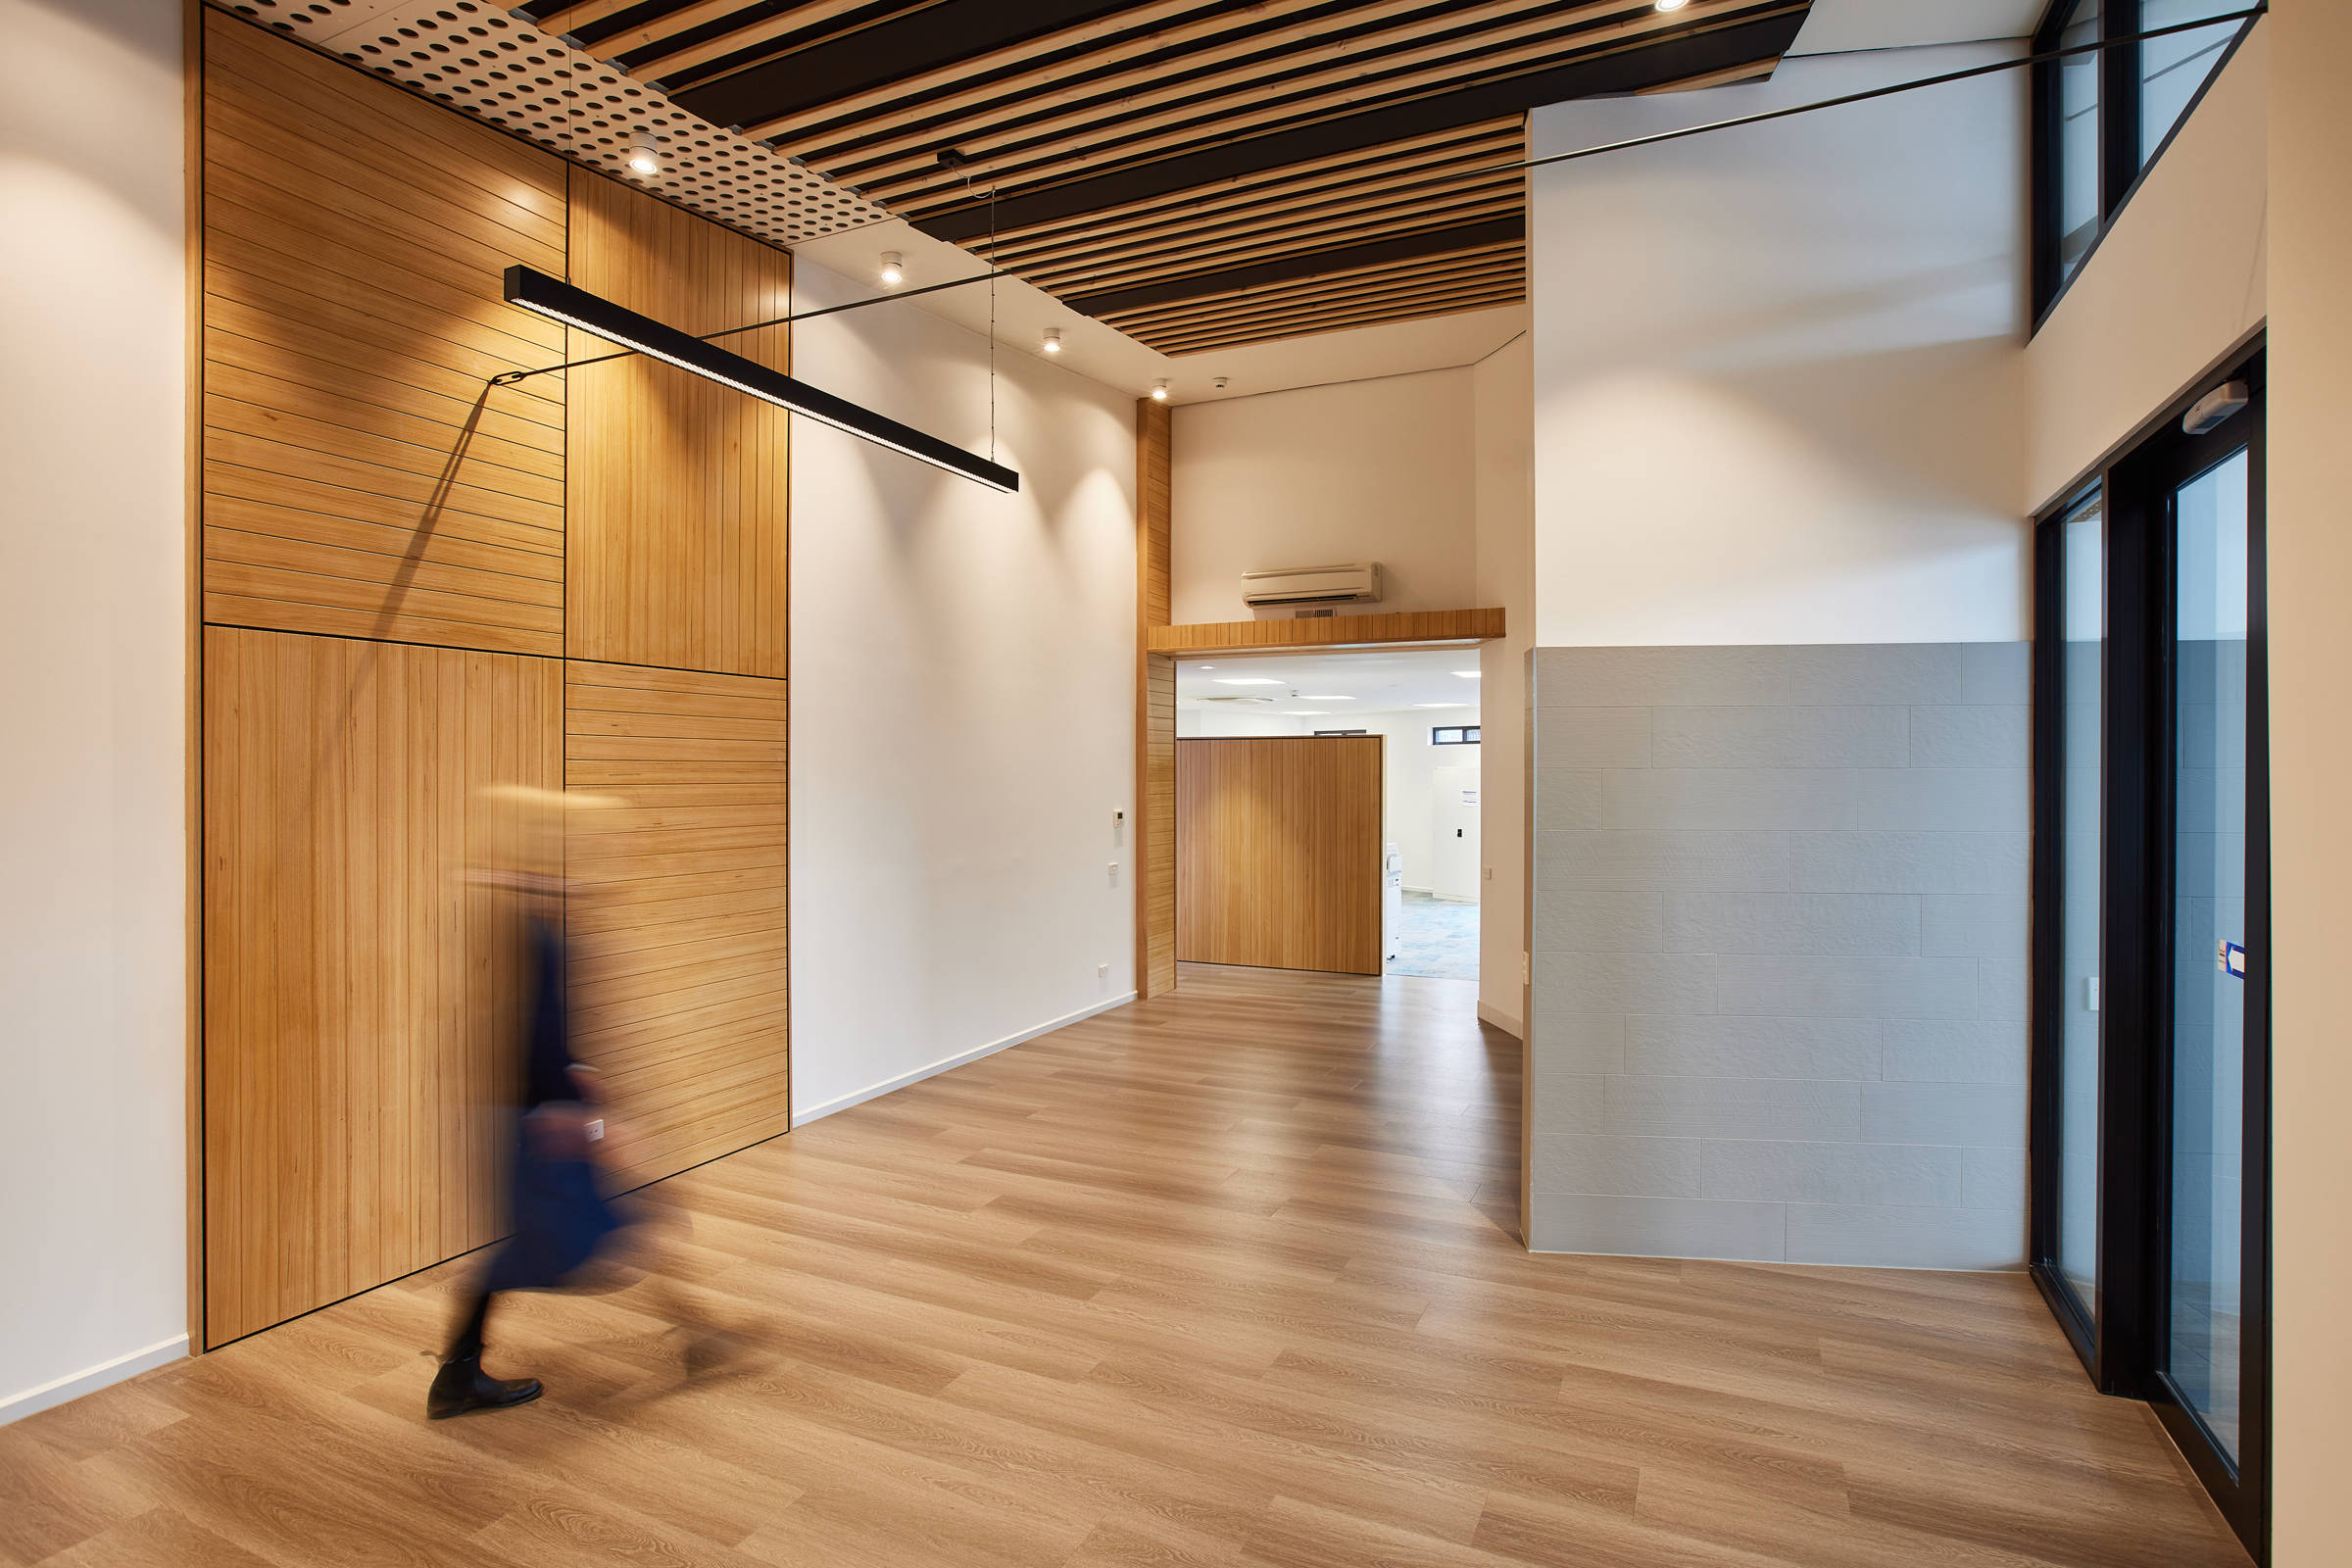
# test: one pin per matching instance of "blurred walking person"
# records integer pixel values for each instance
(557, 1219)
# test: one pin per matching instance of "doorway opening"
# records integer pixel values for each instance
(1422, 707)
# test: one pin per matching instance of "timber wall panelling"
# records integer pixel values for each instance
(388, 586)
(360, 478)
(679, 908)
(360, 1005)
(1154, 707)
(1278, 852)
(677, 483)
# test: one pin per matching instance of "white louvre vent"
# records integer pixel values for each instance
(478, 57)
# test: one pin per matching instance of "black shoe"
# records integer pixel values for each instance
(462, 1386)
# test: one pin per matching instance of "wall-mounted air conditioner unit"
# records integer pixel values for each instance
(1310, 585)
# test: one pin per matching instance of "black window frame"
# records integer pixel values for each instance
(2121, 1337)
(2124, 159)
(1463, 734)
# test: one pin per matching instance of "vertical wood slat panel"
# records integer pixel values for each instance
(1155, 706)
(361, 1007)
(679, 914)
(677, 485)
(1279, 853)
(360, 477)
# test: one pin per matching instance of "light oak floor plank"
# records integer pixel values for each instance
(1226, 1277)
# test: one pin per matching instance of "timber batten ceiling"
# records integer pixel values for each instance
(1196, 174)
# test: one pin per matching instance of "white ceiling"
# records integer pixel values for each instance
(1835, 24)
(1368, 682)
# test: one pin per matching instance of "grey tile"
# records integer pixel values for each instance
(1609, 920)
(1655, 1167)
(1994, 1178)
(1657, 1227)
(1591, 737)
(1833, 1173)
(1781, 737)
(1947, 800)
(1972, 737)
(1854, 987)
(1568, 797)
(1974, 925)
(1579, 983)
(1727, 797)
(1577, 1045)
(2002, 988)
(1643, 859)
(1882, 924)
(1788, 1110)
(1864, 673)
(1981, 1115)
(1998, 674)
(1721, 1047)
(1905, 1238)
(1660, 677)
(1562, 1102)
(1889, 860)
(1947, 1050)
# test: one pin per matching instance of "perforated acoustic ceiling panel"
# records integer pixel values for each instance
(493, 63)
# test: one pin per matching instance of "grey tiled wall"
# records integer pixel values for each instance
(1778, 955)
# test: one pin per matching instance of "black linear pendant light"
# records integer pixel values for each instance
(560, 301)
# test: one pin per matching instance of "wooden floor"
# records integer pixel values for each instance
(1224, 1278)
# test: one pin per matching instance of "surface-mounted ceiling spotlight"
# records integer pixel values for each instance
(894, 268)
(1052, 343)
(645, 154)
(559, 300)
(1222, 382)
(1159, 391)
(1672, 5)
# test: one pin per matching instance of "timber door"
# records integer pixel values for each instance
(1278, 852)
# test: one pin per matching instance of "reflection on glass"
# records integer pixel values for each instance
(2077, 139)
(2172, 70)
(2208, 956)
(2083, 633)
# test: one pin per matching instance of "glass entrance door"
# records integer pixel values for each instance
(2215, 953)
(2151, 935)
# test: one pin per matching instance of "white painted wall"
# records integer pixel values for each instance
(1502, 388)
(93, 631)
(2177, 282)
(2310, 152)
(1778, 393)
(962, 705)
(1362, 470)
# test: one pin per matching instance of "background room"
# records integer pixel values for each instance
(1424, 706)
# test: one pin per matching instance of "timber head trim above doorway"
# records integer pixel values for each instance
(1425, 626)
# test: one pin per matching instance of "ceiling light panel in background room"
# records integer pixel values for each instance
(559, 300)
(1470, 674)
(1245, 681)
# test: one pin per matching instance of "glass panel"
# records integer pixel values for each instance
(2077, 139)
(2208, 952)
(2081, 661)
(2172, 70)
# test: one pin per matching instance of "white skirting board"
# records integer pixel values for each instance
(1502, 1021)
(801, 1117)
(17, 1406)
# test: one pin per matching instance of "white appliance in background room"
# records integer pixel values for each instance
(1392, 902)
(1453, 820)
